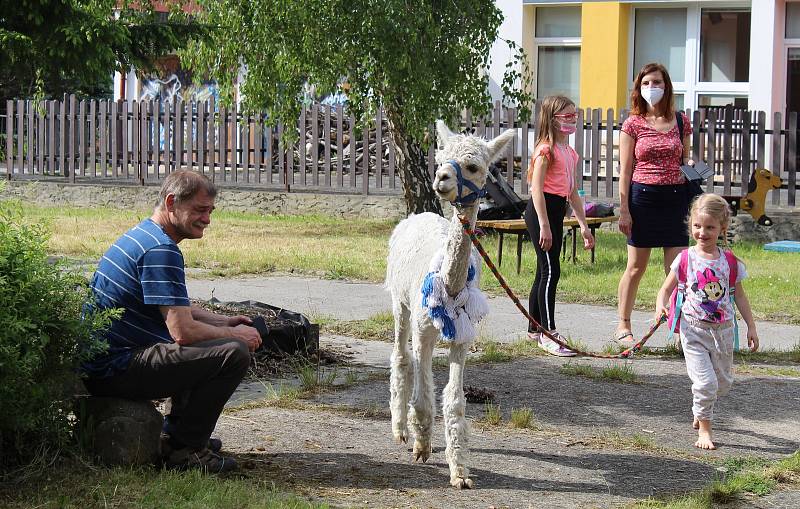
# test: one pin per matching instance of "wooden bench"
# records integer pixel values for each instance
(517, 226)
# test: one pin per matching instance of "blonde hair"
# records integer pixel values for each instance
(715, 206)
(545, 121)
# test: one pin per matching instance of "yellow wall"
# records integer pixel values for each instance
(604, 54)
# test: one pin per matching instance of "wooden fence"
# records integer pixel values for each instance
(141, 142)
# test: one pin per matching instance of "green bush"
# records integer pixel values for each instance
(42, 340)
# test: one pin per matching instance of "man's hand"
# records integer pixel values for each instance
(248, 334)
(233, 321)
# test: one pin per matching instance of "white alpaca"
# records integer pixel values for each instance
(421, 244)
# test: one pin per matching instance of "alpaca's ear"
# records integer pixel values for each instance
(443, 133)
(497, 145)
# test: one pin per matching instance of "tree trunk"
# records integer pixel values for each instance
(412, 166)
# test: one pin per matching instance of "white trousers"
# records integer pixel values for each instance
(708, 350)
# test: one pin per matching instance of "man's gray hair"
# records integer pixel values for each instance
(184, 184)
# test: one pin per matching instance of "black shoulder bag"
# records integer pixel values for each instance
(694, 180)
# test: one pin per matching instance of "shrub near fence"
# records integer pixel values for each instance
(90, 140)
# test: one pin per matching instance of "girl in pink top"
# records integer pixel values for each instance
(551, 177)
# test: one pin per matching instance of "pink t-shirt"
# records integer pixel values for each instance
(657, 154)
(559, 178)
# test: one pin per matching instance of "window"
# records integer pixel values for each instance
(793, 80)
(706, 50)
(559, 71)
(558, 22)
(678, 98)
(793, 20)
(724, 46)
(661, 37)
(710, 101)
(557, 35)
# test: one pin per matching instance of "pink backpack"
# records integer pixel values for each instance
(676, 299)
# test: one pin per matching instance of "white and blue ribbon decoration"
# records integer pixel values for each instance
(456, 317)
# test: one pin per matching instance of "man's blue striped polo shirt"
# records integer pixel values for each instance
(141, 271)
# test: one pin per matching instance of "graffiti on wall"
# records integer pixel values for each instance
(171, 88)
(171, 84)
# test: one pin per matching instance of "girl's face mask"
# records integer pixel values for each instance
(567, 122)
(652, 95)
(567, 128)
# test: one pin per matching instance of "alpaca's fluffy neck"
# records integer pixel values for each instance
(456, 259)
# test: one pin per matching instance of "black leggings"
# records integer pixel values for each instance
(542, 300)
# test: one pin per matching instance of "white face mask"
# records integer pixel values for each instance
(652, 95)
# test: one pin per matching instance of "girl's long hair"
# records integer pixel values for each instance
(665, 106)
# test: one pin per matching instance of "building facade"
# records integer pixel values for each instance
(718, 52)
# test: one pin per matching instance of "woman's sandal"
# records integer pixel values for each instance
(622, 338)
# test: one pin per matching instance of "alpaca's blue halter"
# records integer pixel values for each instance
(476, 193)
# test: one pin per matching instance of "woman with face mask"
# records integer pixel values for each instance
(654, 198)
(552, 180)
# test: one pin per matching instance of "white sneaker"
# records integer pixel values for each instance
(553, 348)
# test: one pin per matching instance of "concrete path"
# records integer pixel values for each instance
(597, 443)
(342, 300)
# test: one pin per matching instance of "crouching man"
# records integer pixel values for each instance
(162, 346)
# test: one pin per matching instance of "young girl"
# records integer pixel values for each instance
(551, 177)
(707, 316)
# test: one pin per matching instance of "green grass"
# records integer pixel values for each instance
(791, 355)
(522, 418)
(584, 370)
(747, 369)
(493, 352)
(76, 485)
(492, 414)
(619, 441)
(378, 327)
(351, 377)
(517, 349)
(620, 372)
(314, 378)
(577, 345)
(613, 372)
(317, 245)
(348, 249)
(743, 357)
(743, 476)
(282, 396)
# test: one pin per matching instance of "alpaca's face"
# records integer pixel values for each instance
(472, 154)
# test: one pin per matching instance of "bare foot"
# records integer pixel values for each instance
(695, 424)
(704, 440)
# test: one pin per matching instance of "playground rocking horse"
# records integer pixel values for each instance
(754, 202)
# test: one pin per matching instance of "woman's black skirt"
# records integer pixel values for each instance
(659, 215)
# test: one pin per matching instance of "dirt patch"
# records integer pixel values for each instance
(599, 443)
